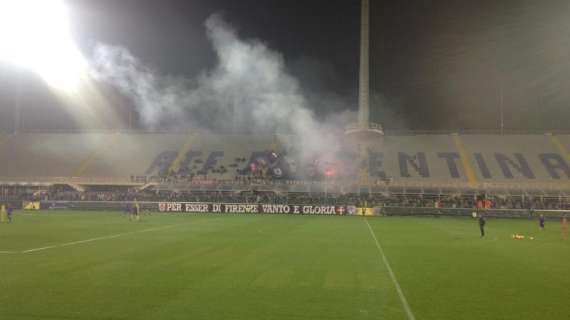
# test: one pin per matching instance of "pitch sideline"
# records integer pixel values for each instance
(403, 299)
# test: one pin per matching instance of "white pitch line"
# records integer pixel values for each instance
(67, 244)
(39, 249)
(7, 252)
(407, 308)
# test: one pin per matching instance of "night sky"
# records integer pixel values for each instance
(435, 65)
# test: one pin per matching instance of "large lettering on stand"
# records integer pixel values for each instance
(412, 164)
(520, 165)
(555, 165)
(161, 163)
(211, 162)
(193, 207)
(451, 160)
(418, 162)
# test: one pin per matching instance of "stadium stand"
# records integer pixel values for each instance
(424, 161)
(26, 156)
(3, 138)
(122, 155)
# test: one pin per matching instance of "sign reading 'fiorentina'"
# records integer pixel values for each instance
(249, 208)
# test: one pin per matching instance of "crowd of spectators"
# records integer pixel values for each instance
(65, 193)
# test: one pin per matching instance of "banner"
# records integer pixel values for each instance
(31, 205)
(365, 211)
(193, 207)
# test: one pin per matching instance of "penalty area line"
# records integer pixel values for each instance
(68, 244)
(407, 308)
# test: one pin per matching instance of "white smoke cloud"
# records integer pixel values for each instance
(249, 91)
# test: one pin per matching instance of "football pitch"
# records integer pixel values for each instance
(100, 265)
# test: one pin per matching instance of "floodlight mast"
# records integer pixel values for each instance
(364, 133)
(364, 82)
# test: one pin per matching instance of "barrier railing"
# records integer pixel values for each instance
(338, 209)
(66, 180)
(459, 212)
(428, 186)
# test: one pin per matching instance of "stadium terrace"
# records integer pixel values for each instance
(227, 182)
(465, 160)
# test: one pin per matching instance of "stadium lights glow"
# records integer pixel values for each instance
(35, 34)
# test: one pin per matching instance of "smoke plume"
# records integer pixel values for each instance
(248, 91)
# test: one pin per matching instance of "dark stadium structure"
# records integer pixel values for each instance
(417, 167)
(371, 169)
(224, 198)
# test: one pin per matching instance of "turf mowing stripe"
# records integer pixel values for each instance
(67, 244)
(7, 252)
(407, 308)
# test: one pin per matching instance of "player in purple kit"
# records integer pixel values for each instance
(541, 222)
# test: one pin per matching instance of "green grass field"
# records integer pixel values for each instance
(70, 265)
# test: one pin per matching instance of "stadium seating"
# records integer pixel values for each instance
(490, 157)
(442, 159)
(44, 155)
